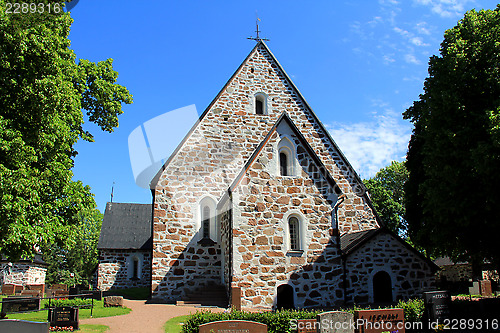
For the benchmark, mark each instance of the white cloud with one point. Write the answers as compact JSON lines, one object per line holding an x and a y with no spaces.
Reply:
{"x":422,"y":29}
{"x":418,"y":41}
{"x":445,"y":8}
{"x":372,"y":145}
{"x":388,"y":59}
{"x":411,"y":59}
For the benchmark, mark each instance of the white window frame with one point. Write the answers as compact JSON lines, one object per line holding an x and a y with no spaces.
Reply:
{"x":286,"y":146}
{"x":208,"y":201}
{"x":302,"y":229}
{"x":260,"y":96}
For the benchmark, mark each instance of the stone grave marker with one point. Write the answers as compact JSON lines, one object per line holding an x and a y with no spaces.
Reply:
{"x":16,"y":326}
{"x":233,"y":326}
{"x":307,"y":326}
{"x":381,"y":320}
{"x":474,"y":290}
{"x":30,"y":293}
{"x":9,"y":289}
{"x":39,"y":287}
{"x":19,"y":304}
{"x":113,"y":301}
{"x":64,"y":317}
{"x":485,"y":288}
{"x":336,"y":322}
{"x":437,"y":305}
{"x":59,"y":287}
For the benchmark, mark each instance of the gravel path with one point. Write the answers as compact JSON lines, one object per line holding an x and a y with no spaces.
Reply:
{"x":144,"y":317}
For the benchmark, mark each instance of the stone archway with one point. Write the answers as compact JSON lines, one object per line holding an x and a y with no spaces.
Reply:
{"x":284,"y":297}
{"x":382,"y":287}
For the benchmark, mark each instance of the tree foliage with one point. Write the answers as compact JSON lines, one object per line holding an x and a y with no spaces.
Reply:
{"x":452,"y":195}
{"x":73,"y":262}
{"x":387,"y":195}
{"x":43,"y":91}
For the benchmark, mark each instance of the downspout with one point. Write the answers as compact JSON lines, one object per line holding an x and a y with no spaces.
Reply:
{"x":337,"y":235}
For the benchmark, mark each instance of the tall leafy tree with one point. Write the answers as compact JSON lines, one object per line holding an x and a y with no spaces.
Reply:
{"x":387,"y":195}
{"x":73,"y":262}
{"x":452,"y":195}
{"x":43,"y":90}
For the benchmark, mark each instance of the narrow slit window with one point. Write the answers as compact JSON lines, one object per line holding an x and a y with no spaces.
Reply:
{"x":283,"y":164}
{"x":206,"y":222}
{"x":135,"y":269}
{"x":293,"y":227}
{"x":259,"y":107}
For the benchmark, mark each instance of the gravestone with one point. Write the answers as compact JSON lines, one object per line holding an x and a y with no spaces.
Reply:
{"x":437,"y":305}
{"x":336,"y":322}
{"x":18,"y":304}
{"x":113,"y":301}
{"x":485,"y":288}
{"x":381,"y":320}
{"x":233,"y":326}
{"x":64,"y":317}
{"x":16,"y":326}
{"x":39,"y":287}
{"x":59,"y":287}
{"x":30,"y":293}
{"x":9,"y":289}
{"x":474,"y":290}
{"x":307,"y":326}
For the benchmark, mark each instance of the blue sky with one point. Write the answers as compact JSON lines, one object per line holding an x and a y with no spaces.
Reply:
{"x":359,"y":64}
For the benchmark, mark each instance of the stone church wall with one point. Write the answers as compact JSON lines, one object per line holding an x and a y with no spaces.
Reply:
{"x":208,"y":162}
{"x":115,"y":269}
{"x":410,"y":275}
{"x":262,"y":257}
{"x":21,"y":273}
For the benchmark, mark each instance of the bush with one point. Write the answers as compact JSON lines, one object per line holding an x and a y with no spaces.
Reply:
{"x":277,"y":322}
{"x":413,"y":309}
{"x":68,"y":302}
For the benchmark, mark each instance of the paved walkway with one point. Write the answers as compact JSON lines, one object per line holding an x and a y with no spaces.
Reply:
{"x":144,"y":317}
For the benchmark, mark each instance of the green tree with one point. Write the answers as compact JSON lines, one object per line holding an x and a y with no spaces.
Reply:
{"x":387,"y":195}
{"x":452,"y":194}
{"x":43,"y":90}
{"x":73,"y":262}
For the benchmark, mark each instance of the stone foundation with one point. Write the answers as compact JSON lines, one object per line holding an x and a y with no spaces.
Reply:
{"x":115,"y":269}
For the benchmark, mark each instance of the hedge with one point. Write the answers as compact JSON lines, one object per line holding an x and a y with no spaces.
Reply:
{"x":68,"y":302}
{"x":279,"y":321}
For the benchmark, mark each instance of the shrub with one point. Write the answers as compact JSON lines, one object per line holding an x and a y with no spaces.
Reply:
{"x":68,"y":302}
{"x":413,"y":309}
{"x":277,"y":322}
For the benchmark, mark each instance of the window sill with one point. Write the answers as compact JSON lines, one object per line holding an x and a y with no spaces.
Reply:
{"x":295,"y":253}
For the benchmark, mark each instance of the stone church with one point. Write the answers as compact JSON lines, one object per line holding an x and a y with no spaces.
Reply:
{"x":259,"y":202}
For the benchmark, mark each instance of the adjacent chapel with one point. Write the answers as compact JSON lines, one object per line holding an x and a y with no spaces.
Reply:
{"x":259,"y":202}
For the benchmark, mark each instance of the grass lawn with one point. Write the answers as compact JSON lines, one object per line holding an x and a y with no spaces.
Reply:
{"x":87,"y":328}
{"x":174,"y":325}
{"x":99,"y":311}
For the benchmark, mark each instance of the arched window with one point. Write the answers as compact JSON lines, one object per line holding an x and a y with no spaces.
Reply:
{"x":283,"y":163}
{"x":286,"y":157}
{"x":207,"y":220}
{"x":260,"y":103}
{"x":294,"y":233}
{"x":135,"y":268}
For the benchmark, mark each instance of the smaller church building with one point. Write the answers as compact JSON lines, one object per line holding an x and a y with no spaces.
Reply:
{"x":259,"y":201}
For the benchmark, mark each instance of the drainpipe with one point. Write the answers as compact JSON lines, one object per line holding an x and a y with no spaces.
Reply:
{"x":344,"y":266}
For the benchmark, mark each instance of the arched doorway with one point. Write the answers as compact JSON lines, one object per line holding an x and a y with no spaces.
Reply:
{"x":382,"y":287}
{"x":284,"y":297}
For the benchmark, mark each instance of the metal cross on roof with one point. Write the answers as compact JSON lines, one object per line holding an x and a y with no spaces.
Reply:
{"x":257,"y":39}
